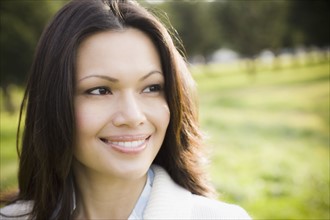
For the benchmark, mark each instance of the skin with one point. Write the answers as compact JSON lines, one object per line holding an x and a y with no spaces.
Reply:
{"x":119,"y":102}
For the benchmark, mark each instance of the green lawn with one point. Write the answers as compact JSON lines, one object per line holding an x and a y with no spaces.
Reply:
{"x":8,"y":153}
{"x":268,"y":137}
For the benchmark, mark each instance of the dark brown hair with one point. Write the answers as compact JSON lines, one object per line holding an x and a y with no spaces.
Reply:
{"x":45,"y":175}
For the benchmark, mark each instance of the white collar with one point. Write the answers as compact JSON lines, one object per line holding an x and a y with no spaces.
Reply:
{"x":167,"y":200}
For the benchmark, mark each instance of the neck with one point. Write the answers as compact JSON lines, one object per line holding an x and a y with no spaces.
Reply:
{"x":104,"y":197}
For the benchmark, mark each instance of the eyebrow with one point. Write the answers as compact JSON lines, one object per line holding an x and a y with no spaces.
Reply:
{"x":111,"y":79}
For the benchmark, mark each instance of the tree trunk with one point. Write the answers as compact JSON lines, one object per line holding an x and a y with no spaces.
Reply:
{"x":7,"y":99}
{"x":251,"y":68}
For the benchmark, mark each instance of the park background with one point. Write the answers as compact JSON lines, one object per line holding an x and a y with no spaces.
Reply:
{"x":262,"y":71}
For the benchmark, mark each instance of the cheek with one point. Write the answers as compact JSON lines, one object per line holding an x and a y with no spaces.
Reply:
{"x":88,"y":119}
{"x":167,"y":115}
{"x":162,"y":116}
{"x":84,"y":117}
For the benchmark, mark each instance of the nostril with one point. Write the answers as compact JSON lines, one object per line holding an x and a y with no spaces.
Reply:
{"x":129,"y":116}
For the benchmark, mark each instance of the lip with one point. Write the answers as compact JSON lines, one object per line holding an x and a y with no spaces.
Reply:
{"x":127,"y":144}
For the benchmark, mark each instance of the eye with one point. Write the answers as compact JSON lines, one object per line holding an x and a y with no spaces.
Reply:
{"x":153,"y":88}
{"x":99,"y":91}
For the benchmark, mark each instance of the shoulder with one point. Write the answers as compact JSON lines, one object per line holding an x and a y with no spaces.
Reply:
{"x":206,"y":208}
{"x":19,"y":210}
{"x":168,"y":200}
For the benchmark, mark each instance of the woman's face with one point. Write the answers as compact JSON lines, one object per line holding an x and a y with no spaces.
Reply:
{"x":120,"y":106}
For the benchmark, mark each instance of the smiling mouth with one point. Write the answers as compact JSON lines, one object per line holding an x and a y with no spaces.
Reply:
{"x":127,"y":144}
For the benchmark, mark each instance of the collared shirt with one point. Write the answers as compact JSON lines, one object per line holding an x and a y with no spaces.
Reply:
{"x":144,"y":197}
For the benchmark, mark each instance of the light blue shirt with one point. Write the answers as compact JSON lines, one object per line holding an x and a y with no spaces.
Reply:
{"x":144,"y":197}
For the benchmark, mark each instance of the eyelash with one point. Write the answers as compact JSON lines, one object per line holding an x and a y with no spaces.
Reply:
{"x":107,"y":91}
{"x":154,"y":88}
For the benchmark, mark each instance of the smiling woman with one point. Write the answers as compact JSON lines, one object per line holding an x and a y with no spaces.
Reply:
{"x":121,"y":113}
{"x":111,"y":128}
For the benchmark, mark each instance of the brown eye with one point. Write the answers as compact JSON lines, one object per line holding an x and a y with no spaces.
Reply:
{"x":153,"y":88}
{"x":99,"y":91}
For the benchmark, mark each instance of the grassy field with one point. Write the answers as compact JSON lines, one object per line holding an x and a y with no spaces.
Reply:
{"x":268,"y":136}
{"x":8,"y":153}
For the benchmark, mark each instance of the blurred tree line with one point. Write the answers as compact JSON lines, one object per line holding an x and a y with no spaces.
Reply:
{"x":246,"y":26}
{"x":249,"y":26}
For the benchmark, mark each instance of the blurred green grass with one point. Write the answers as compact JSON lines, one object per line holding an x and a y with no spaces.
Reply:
{"x":8,"y":153}
{"x":268,"y":136}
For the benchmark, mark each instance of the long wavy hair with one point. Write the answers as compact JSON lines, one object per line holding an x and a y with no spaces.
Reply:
{"x":45,"y":174}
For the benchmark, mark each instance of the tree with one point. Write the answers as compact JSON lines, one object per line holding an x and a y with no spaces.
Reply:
{"x":195,"y":25}
{"x":309,"y":21}
{"x":251,"y":26}
{"x":21,"y":24}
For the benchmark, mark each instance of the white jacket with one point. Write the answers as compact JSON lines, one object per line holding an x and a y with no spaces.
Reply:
{"x":167,"y":200}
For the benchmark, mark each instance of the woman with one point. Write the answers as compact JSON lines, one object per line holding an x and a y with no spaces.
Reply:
{"x":111,"y":128}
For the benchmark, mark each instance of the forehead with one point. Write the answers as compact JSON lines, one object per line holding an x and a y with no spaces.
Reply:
{"x":117,"y":51}
{"x":118,"y":43}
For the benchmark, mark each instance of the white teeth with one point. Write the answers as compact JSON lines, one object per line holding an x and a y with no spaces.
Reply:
{"x":127,"y":144}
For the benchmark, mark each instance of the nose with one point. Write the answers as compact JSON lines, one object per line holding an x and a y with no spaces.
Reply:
{"x":129,"y":111}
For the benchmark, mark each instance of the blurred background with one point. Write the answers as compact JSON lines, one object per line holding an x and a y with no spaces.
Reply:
{"x":262,"y":70}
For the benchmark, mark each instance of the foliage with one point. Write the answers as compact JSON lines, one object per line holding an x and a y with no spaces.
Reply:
{"x":249,"y":26}
{"x":252,"y":26}
{"x":21,"y":25}
{"x":309,"y":21}
{"x":195,"y":25}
